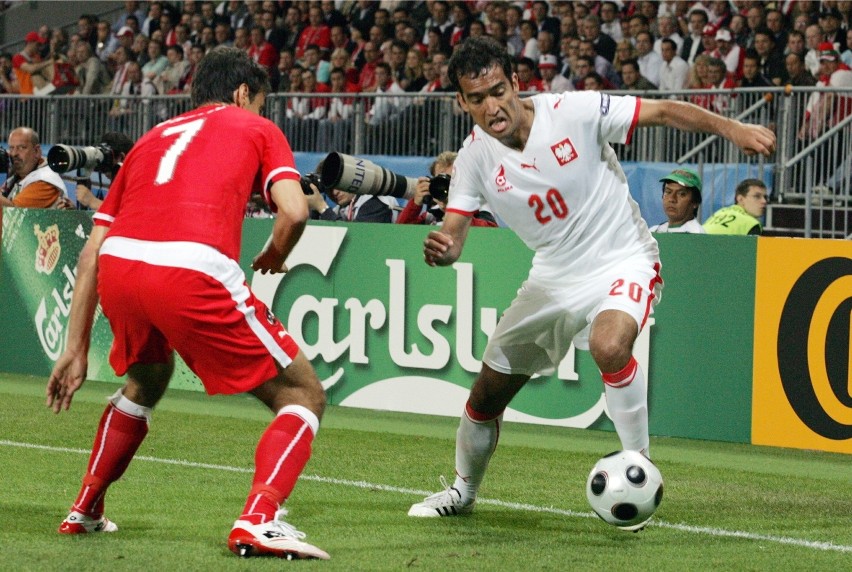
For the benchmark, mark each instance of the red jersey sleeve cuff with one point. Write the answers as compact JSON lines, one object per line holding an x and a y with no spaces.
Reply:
{"x":461,"y":212}
{"x":635,"y":121}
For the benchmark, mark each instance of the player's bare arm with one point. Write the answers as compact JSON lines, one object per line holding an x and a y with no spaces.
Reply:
{"x":69,"y":372}
{"x":443,"y":247}
{"x":752,"y":139}
{"x":289,"y":224}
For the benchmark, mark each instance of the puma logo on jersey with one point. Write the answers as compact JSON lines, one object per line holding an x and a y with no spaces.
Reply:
{"x":502,"y":184}
{"x":564,"y":152}
{"x":528,"y":166}
{"x":558,"y":101}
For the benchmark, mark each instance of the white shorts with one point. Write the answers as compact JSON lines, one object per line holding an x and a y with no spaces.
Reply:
{"x":537,"y":329}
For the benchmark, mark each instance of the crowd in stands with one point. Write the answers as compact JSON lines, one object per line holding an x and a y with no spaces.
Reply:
{"x":637,"y":45}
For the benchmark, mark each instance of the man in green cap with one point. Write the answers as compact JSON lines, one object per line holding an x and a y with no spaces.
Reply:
{"x":681,"y":199}
{"x":741,"y":217}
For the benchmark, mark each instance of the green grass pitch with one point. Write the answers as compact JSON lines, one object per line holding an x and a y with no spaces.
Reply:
{"x":726,"y":506}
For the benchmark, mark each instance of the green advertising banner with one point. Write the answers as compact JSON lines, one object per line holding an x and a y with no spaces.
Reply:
{"x":385,"y":331}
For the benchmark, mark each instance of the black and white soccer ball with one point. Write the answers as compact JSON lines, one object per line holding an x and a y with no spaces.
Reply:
{"x":624,"y":489}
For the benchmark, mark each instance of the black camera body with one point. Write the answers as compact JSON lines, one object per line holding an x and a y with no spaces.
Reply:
{"x":64,"y":158}
{"x":311,"y":178}
{"x":439,"y":189}
{"x":5,"y":162}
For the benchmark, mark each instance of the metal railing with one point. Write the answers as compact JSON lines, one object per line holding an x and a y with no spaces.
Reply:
{"x":811,"y":178}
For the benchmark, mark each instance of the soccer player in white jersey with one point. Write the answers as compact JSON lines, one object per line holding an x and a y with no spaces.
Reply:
{"x":545,"y":166}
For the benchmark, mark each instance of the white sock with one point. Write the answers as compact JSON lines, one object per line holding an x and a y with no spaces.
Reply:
{"x":475,"y":443}
{"x":627,"y":401}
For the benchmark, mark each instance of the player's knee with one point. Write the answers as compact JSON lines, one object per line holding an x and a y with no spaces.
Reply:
{"x":610,"y":354}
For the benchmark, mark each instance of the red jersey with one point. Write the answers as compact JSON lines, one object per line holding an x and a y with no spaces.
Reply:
{"x":189,"y":178}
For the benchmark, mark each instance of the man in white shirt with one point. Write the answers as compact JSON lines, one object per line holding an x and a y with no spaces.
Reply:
{"x":650,"y":61}
{"x":668,"y":31}
{"x":553,"y":81}
{"x":674,"y":71}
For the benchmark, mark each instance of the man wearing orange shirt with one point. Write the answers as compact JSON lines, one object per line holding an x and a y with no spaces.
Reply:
{"x":31,"y":183}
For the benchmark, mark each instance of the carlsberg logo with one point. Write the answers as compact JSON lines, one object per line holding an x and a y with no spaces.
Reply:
{"x":419,"y":385}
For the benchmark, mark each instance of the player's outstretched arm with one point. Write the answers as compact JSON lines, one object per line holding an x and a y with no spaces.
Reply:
{"x":752,"y":139}
{"x":69,"y":372}
{"x":443,"y":247}
{"x":289,"y":224}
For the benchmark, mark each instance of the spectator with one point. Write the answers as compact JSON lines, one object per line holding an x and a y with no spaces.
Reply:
{"x":106,"y":42}
{"x":674,"y":72}
{"x":650,"y":61}
{"x":632,"y":79}
{"x":699,"y":79}
{"x":120,"y":58}
{"x":384,"y":106}
{"x":720,"y":80}
{"x":830,"y":20}
{"x":317,"y":106}
{"x":637,"y":23}
{"x":32,"y":72}
{"x":435,"y":43}
{"x":813,"y":39}
{"x":367,"y":76}
{"x":86,"y":29}
{"x":131,"y":8}
{"x":195,"y":55}
{"x":168,"y":80}
{"x":514,"y":43}
{"x":334,"y":130}
{"x":755,"y":20}
{"x":544,"y":21}
{"x":120,"y":144}
{"x":681,"y":200}
{"x":610,"y":23}
{"x":846,"y":55}
{"x":262,"y":51}
{"x":140,"y":49}
{"x":551,"y":79}
{"x":795,"y":43}
{"x":221,"y":34}
{"x":530,"y":43}
{"x":460,"y":29}
{"x":439,"y":17}
{"x":293,"y":26}
{"x":316,"y":32}
{"x":91,"y":72}
{"x":331,"y":15}
{"x":668,"y":31}
{"x":771,"y":61}
{"x":340,"y":59}
{"x":241,"y":40}
{"x":271,"y":32}
{"x":797,"y":74}
{"x":341,"y":39}
{"x":546,"y":44}
{"x":286,"y":61}
{"x":313,"y":61}
{"x":156,"y":63}
{"x":8,"y":79}
{"x":602,"y":65}
{"x":594,"y":82}
{"x":31,"y":183}
{"x":125,"y":108}
{"x":395,"y":56}
{"x":741,"y":217}
{"x":751,"y":73}
{"x":775,"y":24}
{"x":527,"y":80}
{"x":167,"y":29}
{"x":692,"y":44}
{"x":624,"y":50}
{"x":413,"y":79}
{"x":152,"y":21}
{"x":730,"y":52}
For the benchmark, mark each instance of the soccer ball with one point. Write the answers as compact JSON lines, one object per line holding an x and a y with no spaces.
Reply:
{"x":624,"y":489}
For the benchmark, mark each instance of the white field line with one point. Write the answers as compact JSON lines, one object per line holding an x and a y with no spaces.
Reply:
{"x":702,"y":530}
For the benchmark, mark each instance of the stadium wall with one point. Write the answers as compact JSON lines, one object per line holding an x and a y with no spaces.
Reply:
{"x":750,"y":342}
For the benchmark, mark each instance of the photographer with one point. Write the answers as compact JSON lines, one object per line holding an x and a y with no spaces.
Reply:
{"x":348,"y":206}
{"x":432,"y":192}
{"x":120,"y":144}
{"x":31,"y":183}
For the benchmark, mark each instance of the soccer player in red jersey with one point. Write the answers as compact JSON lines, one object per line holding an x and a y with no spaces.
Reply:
{"x":162,"y":258}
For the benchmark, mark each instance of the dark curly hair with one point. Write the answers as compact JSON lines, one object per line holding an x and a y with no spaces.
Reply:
{"x":474,"y":56}
{"x":221,"y":71}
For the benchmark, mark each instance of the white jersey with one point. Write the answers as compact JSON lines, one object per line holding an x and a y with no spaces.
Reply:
{"x":691,"y":226}
{"x":565,"y":195}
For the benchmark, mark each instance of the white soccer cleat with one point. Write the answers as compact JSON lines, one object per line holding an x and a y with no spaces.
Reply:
{"x":79,"y":523}
{"x":445,"y":503}
{"x":273,"y":538}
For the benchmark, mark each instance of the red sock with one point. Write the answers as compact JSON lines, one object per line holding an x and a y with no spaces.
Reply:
{"x":282,"y":453}
{"x":119,"y":436}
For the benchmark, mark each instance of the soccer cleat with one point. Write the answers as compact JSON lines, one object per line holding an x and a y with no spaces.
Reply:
{"x":79,"y":523}
{"x":273,"y":538}
{"x":445,"y":503}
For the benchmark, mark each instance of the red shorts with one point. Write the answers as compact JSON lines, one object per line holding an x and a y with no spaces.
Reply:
{"x":160,"y":296}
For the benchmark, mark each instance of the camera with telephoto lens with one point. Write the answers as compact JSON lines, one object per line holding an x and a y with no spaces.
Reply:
{"x":311,"y":178}
{"x":363,"y":177}
{"x":4,"y":161}
{"x":439,"y":189}
{"x":64,"y":158}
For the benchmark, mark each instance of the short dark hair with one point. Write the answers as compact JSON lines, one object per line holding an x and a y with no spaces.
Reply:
{"x":475,"y":56}
{"x":631,"y":62}
{"x":221,"y":71}
{"x":745,"y":185}
{"x":118,"y":142}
